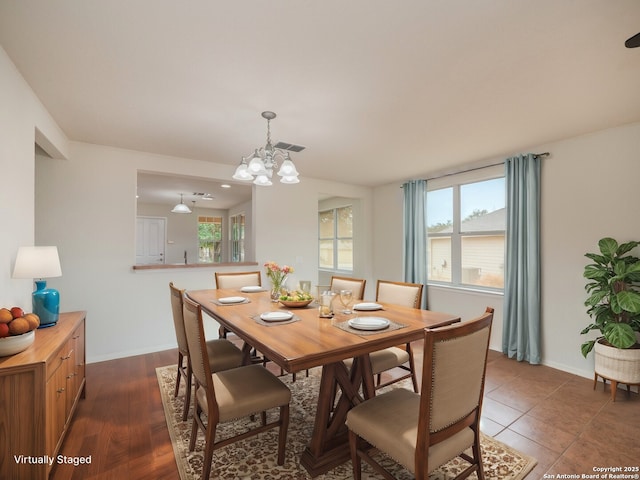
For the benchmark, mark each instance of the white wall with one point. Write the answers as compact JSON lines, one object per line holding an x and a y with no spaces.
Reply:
{"x":23,"y":121}
{"x":91,"y":218}
{"x":589,"y":191}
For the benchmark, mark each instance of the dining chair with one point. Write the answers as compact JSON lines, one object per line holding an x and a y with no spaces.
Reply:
{"x":408,"y":295}
{"x":423,"y":431}
{"x":230,"y":395}
{"x":223,"y":353}
{"x":236,"y":280}
{"x":356,"y":285}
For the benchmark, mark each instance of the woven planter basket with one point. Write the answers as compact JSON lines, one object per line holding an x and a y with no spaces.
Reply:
{"x":622,"y":365}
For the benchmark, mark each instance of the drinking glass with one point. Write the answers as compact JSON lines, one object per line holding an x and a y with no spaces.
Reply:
{"x":345,"y":300}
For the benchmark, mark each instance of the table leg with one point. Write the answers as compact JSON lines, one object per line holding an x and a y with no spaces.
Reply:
{"x":328,"y":446}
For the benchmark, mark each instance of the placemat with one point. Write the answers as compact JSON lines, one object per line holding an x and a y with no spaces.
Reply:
{"x":246,"y":300}
{"x":259,"y":321}
{"x":345,"y":326}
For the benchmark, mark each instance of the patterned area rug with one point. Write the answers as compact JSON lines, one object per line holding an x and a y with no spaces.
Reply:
{"x":255,"y":458}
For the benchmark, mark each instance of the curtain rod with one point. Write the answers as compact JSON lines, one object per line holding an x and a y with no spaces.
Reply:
{"x":535,"y":155}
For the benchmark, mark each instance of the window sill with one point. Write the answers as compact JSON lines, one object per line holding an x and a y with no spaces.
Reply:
{"x":466,"y":289}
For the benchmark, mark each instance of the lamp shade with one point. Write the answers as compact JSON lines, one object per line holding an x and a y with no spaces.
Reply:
{"x":39,"y":263}
{"x":181,"y":207}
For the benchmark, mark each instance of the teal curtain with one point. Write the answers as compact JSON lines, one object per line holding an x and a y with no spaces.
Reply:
{"x":415,"y":234}
{"x":521,"y":323}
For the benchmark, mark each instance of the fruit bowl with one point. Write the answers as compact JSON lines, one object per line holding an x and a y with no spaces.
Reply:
{"x":295,"y":303}
{"x":16,"y":343}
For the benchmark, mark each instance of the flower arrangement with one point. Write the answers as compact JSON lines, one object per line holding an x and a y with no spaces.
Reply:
{"x":277,"y":275}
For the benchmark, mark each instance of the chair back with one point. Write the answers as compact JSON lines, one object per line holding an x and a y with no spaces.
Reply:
{"x":178,"y":320}
{"x":455,"y":359}
{"x":399,"y":293}
{"x":237,"y":279}
{"x":356,"y":285}
{"x":198,"y":353}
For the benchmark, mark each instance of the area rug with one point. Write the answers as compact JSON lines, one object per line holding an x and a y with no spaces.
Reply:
{"x":255,"y":458}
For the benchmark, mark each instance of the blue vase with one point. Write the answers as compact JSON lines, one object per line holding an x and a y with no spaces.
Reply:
{"x":46,"y":304}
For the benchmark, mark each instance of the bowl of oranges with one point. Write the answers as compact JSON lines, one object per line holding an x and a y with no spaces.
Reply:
{"x":17,"y":330}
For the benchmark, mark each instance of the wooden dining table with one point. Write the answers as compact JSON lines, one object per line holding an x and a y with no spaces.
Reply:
{"x":308,"y":341}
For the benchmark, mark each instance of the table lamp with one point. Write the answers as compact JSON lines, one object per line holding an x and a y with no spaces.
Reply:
{"x":39,"y":263}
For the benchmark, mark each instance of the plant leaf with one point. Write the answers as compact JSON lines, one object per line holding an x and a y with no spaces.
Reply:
{"x":626,"y":247}
{"x":595,"y":272}
{"x":620,"y":335}
{"x":599,"y":259}
{"x":586,"y":347}
{"x":608,"y":247}
{"x":629,"y":301}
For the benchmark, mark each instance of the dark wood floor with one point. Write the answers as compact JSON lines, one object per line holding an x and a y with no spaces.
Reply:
{"x":554,"y":416}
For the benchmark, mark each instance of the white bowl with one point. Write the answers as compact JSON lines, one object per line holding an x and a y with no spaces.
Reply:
{"x":16,"y":343}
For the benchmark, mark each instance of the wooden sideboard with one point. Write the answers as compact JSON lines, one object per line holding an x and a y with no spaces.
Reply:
{"x":39,"y":391}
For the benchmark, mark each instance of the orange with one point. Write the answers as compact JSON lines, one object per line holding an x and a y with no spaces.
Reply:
{"x":18,"y":326}
{"x":33,"y":320}
{"x":5,"y":315}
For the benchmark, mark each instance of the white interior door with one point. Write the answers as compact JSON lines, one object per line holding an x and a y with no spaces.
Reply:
{"x":150,"y":240}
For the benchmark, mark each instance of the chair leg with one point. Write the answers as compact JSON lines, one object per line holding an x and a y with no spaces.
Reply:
{"x":282,"y":434}
{"x":187,"y":393}
{"x":178,"y":375}
{"x":412,"y":366}
{"x":210,"y":438}
{"x":477,"y":454}
{"x":355,"y":459}
{"x":194,"y":426}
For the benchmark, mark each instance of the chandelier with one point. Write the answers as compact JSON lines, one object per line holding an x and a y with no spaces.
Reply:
{"x":259,"y":166}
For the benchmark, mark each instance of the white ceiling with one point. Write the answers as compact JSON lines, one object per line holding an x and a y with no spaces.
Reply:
{"x":377,"y":90}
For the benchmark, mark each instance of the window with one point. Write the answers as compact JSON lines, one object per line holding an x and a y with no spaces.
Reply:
{"x":466,"y":225}
{"x":237,"y":237}
{"x":335,"y":227}
{"x":210,"y":239}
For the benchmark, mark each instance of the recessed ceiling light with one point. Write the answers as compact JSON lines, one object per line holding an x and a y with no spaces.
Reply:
{"x":224,"y":185}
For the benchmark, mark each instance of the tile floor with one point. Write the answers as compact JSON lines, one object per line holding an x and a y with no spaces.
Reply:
{"x":560,"y":420}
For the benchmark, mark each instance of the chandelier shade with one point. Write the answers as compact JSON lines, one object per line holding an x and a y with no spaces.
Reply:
{"x":181,"y":207}
{"x":260,"y":165}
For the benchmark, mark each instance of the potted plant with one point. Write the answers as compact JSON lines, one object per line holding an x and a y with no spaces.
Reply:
{"x":614,"y":306}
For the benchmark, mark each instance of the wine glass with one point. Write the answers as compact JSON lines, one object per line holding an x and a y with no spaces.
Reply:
{"x":345,"y":300}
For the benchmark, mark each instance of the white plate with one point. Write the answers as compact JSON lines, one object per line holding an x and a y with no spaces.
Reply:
{"x":369,"y":323}
{"x":367,"y":306}
{"x":231,"y":299}
{"x":276,"y":316}
{"x":252,"y":288}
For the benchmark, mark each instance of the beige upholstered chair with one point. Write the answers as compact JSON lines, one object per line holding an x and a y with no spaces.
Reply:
{"x":223,"y":353}
{"x":231,"y":394}
{"x":356,"y":285}
{"x":236,"y":280}
{"x":424,"y":431}
{"x":399,"y":293}
{"x":408,"y":295}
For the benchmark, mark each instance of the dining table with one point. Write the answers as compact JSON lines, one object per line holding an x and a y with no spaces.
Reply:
{"x":299,"y":339}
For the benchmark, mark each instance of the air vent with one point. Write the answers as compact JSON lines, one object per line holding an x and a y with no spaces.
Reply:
{"x":289,"y":146}
{"x":203,"y":196}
